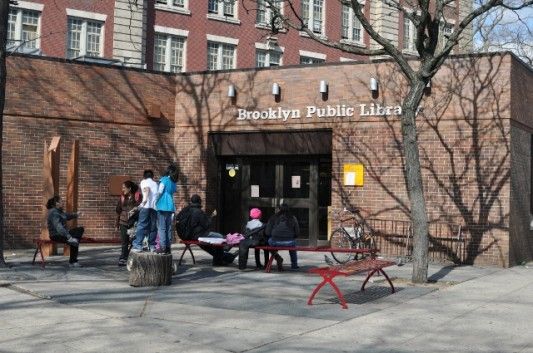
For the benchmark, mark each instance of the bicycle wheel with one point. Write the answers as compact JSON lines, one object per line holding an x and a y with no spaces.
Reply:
{"x":341,"y":240}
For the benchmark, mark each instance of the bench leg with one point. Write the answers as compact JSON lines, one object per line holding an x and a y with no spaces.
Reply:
{"x":327,"y":277}
{"x":268,"y":265}
{"x":38,"y":249}
{"x":35,"y":254}
{"x":187,"y":247}
{"x":378,"y":270}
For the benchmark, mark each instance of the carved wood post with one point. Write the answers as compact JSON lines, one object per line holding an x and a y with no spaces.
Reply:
{"x":72,"y":188}
{"x":51,"y":159}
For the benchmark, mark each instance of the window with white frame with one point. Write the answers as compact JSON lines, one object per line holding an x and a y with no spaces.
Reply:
{"x":351,"y":26}
{"x":446,"y":30}
{"x":408,"y":34}
{"x":220,"y":56}
{"x":23,"y":29}
{"x":311,"y":60}
{"x":313,"y":15}
{"x":223,"y":8}
{"x":168,"y":52}
{"x":267,"y":58}
{"x":84,"y":38}
{"x":181,"y":6}
{"x":265,"y":12}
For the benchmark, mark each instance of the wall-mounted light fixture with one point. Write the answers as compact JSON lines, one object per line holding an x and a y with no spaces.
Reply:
{"x":323,"y":87}
{"x":373,"y":84}
{"x":231,"y":91}
{"x":275,"y":89}
{"x":428,"y":84}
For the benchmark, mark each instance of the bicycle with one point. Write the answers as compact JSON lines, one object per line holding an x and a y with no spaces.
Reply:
{"x":350,"y":234}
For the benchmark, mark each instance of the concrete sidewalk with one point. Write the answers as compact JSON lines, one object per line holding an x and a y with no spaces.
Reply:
{"x":222,"y":309}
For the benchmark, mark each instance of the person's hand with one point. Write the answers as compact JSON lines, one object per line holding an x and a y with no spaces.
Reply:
{"x":214,"y":213}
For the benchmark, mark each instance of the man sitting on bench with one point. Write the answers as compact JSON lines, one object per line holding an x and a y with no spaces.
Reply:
{"x":57,"y":228}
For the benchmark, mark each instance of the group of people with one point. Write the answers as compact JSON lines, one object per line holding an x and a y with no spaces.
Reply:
{"x":151,"y":208}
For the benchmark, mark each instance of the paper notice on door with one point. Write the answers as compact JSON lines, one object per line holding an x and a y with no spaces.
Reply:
{"x":349,"y":178}
{"x":296,"y":181}
{"x":254,"y":191}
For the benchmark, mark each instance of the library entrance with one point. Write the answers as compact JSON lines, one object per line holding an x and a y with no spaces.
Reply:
{"x":302,"y":181}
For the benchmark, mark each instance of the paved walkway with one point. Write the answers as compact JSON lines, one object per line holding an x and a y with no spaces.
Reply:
{"x":206,"y":309}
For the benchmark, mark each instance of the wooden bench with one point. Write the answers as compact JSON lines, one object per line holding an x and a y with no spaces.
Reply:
{"x":273,"y":249}
{"x":372,"y":265}
{"x":84,"y":240}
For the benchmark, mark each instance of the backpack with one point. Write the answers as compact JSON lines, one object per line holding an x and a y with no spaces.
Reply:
{"x":183,"y":224}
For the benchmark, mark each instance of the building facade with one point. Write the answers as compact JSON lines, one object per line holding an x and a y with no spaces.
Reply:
{"x":239,"y":146}
{"x":186,"y":35}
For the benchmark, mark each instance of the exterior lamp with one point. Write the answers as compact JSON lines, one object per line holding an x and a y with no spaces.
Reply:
{"x":323,"y":87}
{"x":231,"y":91}
{"x":373,"y":84}
{"x":275,"y":89}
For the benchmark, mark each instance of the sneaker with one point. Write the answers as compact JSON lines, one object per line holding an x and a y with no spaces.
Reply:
{"x":160,"y":251}
{"x":75,"y":265}
{"x":73,"y":242}
{"x":135,"y":250}
{"x":122,"y":262}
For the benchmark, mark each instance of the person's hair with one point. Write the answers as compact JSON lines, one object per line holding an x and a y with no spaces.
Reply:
{"x":131,"y":185}
{"x":172,"y":172}
{"x":51,"y":203}
{"x":196,"y":199}
{"x":284,"y":213}
{"x":148,"y":173}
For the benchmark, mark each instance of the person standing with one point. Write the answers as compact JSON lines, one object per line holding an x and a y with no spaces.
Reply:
{"x":57,"y":228}
{"x":283,"y":229}
{"x":147,"y":224}
{"x":127,"y":204}
{"x":166,"y":208}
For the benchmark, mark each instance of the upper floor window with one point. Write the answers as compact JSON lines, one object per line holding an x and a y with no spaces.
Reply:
{"x":311,"y":60}
{"x":220,"y":56}
{"x":265,"y":13}
{"x":267,"y":58}
{"x":313,"y":15}
{"x":168,"y":53}
{"x":446,"y":30}
{"x":23,"y":30}
{"x":408,"y":35}
{"x":351,"y":26}
{"x":84,"y":38}
{"x":173,"y":3}
{"x":225,"y":8}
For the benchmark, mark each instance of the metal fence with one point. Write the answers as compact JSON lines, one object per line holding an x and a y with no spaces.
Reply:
{"x":394,"y":238}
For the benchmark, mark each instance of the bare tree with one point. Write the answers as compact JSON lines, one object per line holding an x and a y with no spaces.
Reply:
{"x":431,"y":44}
{"x":502,"y":29}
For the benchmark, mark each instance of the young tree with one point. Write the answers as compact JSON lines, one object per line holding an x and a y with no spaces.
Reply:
{"x":438,"y":28}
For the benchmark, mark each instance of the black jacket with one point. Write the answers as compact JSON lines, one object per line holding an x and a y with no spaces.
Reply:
{"x":200,"y":221}
{"x":282,"y":227}
{"x":57,"y":222}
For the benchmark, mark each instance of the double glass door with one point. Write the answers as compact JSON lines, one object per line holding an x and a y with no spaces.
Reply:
{"x":304,"y":184}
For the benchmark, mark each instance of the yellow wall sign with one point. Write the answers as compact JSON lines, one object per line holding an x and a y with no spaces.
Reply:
{"x":353,"y":174}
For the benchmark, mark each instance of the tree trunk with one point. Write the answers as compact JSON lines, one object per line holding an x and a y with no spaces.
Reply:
{"x":150,"y":269}
{"x":4,"y":11}
{"x":415,"y":188}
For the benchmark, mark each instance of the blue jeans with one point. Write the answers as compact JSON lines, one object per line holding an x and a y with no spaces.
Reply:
{"x":146,"y":226}
{"x":164,"y":228}
{"x":292,"y":253}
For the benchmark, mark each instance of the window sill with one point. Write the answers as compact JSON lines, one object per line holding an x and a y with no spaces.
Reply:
{"x":173,"y":9}
{"x":409,"y":52}
{"x":353,"y":43}
{"x":231,"y":20}
{"x":268,"y":28}
{"x":321,"y":36}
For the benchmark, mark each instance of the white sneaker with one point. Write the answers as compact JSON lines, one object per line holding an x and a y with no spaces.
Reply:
{"x":75,"y":265}
{"x":135,"y":250}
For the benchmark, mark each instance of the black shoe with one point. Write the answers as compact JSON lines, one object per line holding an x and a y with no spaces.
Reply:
{"x":122,"y":262}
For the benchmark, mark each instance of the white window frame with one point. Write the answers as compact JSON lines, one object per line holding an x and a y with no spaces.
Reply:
{"x":268,"y":50}
{"x":168,"y":5}
{"x":220,"y":16}
{"x":444,"y":25}
{"x":352,"y":19}
{"x":411,"y":47}
{"x":170,"y":33}
{"x":20,"y":8}
{"x":220,"y":41}
{"x":310,"y":24}
{"x":86,"y":17}
{"x":268,"y":15}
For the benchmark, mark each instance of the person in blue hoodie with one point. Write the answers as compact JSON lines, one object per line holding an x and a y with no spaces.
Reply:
{"x":165,"y":208}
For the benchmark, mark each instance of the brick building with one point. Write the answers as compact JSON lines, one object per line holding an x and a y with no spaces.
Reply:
{"x":186,"y":35}
{"x":240,"y":146}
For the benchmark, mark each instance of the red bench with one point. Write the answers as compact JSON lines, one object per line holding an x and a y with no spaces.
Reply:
{"x":371,"y":265}
{"x":84,"y":240}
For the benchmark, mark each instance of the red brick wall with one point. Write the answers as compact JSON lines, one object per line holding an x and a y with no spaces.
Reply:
{"x":464,"y":133}
{"x":102,"y":107}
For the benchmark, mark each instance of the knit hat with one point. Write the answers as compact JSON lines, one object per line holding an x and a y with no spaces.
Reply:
{"x":255,"y":213}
